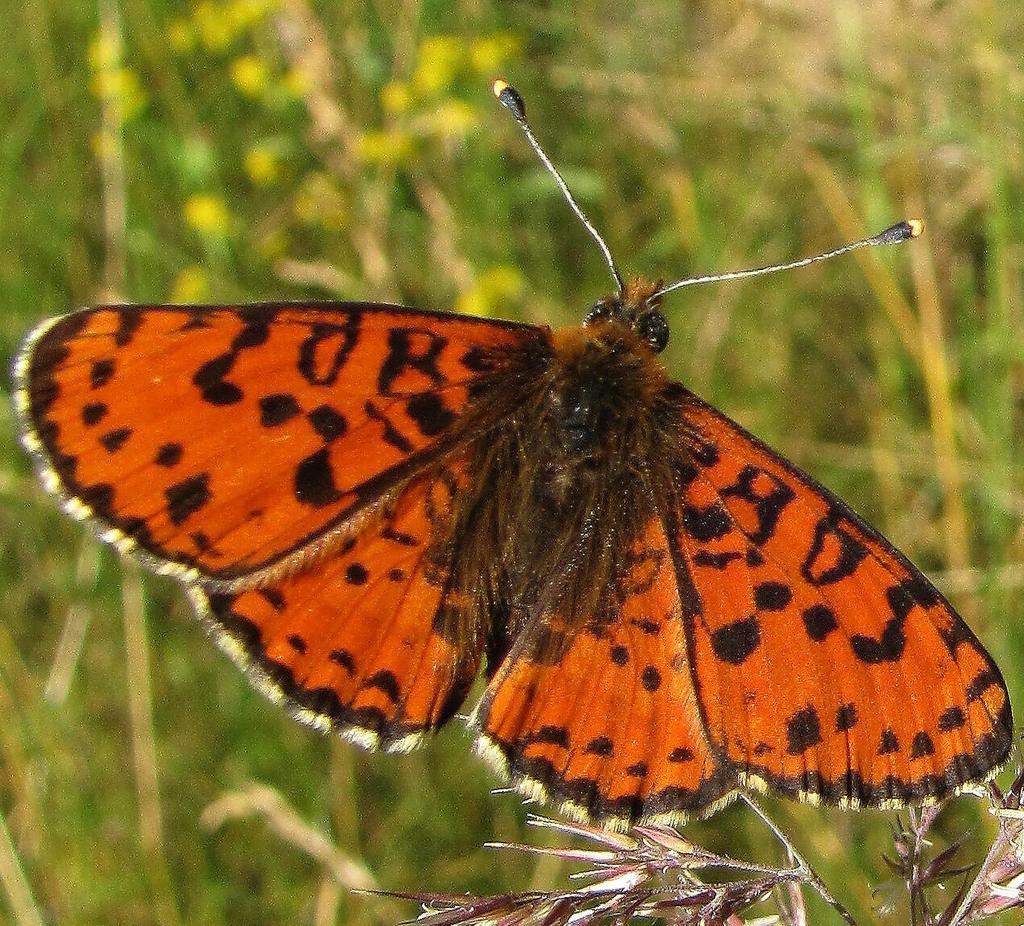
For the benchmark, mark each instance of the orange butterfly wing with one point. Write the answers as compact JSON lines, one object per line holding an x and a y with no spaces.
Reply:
{"x":826,"y":666}
{"x":603,"y":719}
{"x":370,"y":642}
{"x":218,"y":441}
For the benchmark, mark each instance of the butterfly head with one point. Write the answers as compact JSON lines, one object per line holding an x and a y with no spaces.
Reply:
{"x":638,"y":308}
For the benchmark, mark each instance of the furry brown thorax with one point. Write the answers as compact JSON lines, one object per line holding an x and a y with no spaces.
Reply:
{"x":568,"y":476}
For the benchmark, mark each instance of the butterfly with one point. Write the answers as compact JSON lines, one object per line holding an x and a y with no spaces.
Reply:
{"x":371,"y":505}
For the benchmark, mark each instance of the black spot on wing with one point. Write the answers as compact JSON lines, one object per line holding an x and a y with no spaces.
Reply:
{"x":187,"y":497}
{"x":601,"y":746}
{"x":981,"y":683}
{"x":429,"y":413}
{"x":209,"y":378}
{"x":715,"y":560}
{"x":846,"y":718}
{"x":129,"y":319}
{"x":835,"y":553}
{"x":273,"y":597}
{"x":387,"y":682}
{"x":99,"y":497}
{"x":101,"y":373}
{"x":702,"y":451}
{"x":168,"y":455}
{"x":921,"y":745}
{"x":888,"y":744}
{"x":650,"y":678}
{"x":478,"y":360}
{"x":410,"y":349}
{"x":328,"y":422}
{"x":278,"y":408}
{"x":356,"y":574}
{"x":136,"y":528}
{"x":197,"y":321}
{"x":114,"y":440}
{"x":551,"y":735}
{"x":900,"y":601}
{"x":326,"y":350}
{"x":343,"y":658}
{"x":399,"y":537}
{"x":733,"y":643}
{"x":819,"y":622}
{"x":706,"y":524}
{"x":803,"y":730}
{"x":93,"y":413}
{"x":886,"y":648}
{"x":952,"y":718}
{"x":772,"y":596}
{"x":314,"y":480}
{"x":766,"y":494}
{"x":253,"y":334}
{"x":391,"y":434}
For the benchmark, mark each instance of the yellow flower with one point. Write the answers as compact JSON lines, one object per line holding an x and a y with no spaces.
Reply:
{"x":296,"y":82}
{"x":207,"y":214}
{"x":489,"y":53}
{"x":214,"y":26}
{"x":120,"y":86}
{"x":249,"y":75}
{"x":320,"y":202}
{"x":104,"y":51}
{"x":384,"y":147}
{"x":262,"y":164}
{"x":191,"y":285}
{"x":438,"y":61}
{"x":453,"y":119}
{"x":395,"y":97}
{"x":492,"y":287}
{"x":305,"y":205}
{"x":244,"y":14}
{"x":181,"y":36}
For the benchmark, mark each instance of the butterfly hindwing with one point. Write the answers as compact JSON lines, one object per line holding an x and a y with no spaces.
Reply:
{"x":218,"y":441}
{"x":370,"y":640}
{"x":602,"y":718}
{"x":826,"y":665}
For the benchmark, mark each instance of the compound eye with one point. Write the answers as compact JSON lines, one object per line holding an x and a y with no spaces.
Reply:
{"x":652,"y":327}
{"x":600,"y":312}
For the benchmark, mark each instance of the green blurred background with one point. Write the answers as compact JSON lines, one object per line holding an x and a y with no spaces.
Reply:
{"x":230,"y":150}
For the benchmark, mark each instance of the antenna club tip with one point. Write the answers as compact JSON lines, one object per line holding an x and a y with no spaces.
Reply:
{"x":901,"y":231}
{"x":509,"y":97}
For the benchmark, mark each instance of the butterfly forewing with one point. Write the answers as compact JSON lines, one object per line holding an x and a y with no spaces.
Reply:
{"x":825,"y":664}
{"x":223,"y":441}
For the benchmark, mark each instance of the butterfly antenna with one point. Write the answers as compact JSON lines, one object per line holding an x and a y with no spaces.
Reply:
{"x":509,"y":97}
{"x":894,"y":234}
